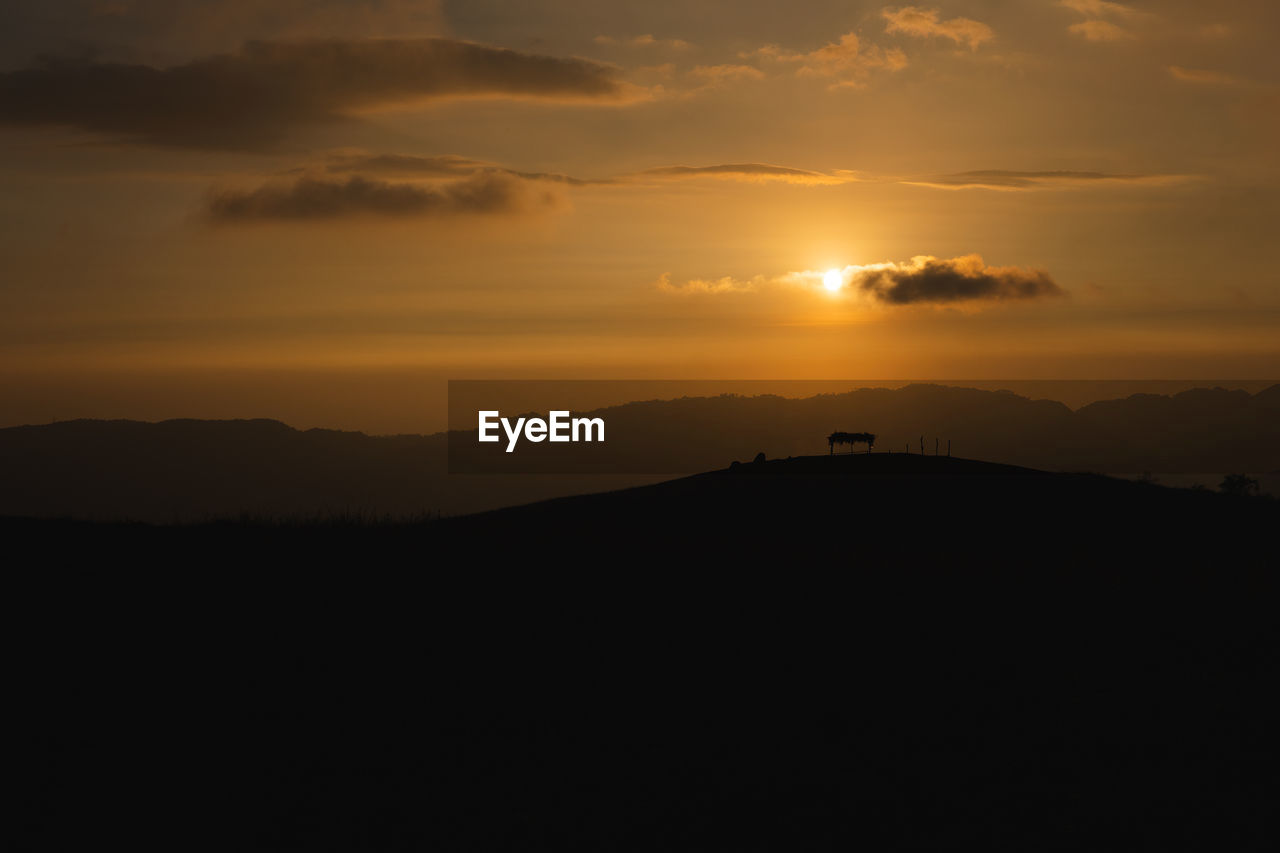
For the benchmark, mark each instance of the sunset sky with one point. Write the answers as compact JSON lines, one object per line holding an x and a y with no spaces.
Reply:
{"x":324,"y":209}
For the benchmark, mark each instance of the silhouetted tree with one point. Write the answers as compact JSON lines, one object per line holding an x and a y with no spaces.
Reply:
{"x":1238,"y":484}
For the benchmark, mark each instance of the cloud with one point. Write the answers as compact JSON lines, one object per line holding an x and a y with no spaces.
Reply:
{"x":1001,"y":179}
{"x":447,"y":165}
{"x":645,"y":40}
{"x":425,"y":168}
{"x":936,"y":281}
{"x":924,"y":280}
{"x":420,"y":168}
{"x":1205,"y":77}
{"x":312,"y":199}
{"x":725,"y":284}
{"x":1101,"y":8}
{"x":405,"y":164}
{"x":914,"y":21}
{"x":143,"y":30}
{"x":705,"y":78}
{"x":751,"y":172}
{"x":847,"y":60}
{"x":719,"y":75}
{"x":252,"y":99}
{"x":1099,"y":31}
{"x":989,"y":179}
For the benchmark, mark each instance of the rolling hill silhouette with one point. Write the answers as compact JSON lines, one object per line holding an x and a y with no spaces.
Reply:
{"x":899,"y":509}
{"x":892,"y":509}
{"x":188,"y":469}
{"x":817,"y":653}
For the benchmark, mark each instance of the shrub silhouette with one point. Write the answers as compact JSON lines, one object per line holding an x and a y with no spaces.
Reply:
{"x":851,"y":438}
{"x":1238,"y":484}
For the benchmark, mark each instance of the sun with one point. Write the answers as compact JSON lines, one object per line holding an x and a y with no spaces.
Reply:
{"x":832,"y":280}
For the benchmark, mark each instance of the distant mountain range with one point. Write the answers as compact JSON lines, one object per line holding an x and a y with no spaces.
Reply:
{"x":1202,"y":430}
{"x":192,"y":469}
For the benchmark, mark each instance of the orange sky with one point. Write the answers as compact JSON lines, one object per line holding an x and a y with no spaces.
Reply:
{"x":197,"y":194}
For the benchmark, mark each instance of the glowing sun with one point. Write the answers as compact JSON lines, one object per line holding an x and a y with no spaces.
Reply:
{"x":832,"y":280}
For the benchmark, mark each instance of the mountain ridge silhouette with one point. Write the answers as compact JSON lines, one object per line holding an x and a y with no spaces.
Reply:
{"x":185,"y":469}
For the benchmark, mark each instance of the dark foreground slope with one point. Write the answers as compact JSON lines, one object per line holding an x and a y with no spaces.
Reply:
{"x":844,"y":512}
{"x":807,"y":654}
{"x":870,"y":511}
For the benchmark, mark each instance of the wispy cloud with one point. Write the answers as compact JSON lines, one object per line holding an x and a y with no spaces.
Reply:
{"x":1099,"y":31}
{"x":1217,"y":31}
{"x":750,"y":172}
{"x":1008,"y":180}
{"x":315,"y":199}
{"x":447,"y":165}
{"x":1097,"y":27}
{"x":722,"y":285}
{"x":714,"y":76}
{"x":645,"y":40}
{"x":1101,"y":8}
{"x":406,"y":164}
{"x":990,"y":179}
{"x":914,"y":21}
{"x":350,"y":183}
{"x":1204,"y":77}
{"x":846,"y":61}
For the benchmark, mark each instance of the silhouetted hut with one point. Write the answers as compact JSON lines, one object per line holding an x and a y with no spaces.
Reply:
{"x":851,"y":438}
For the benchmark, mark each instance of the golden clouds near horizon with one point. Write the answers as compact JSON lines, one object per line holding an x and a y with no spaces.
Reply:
{"x":923,"y":280}
{"x":724,"y":188}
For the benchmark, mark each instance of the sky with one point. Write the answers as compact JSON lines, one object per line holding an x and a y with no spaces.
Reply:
{"x":322,"y":210}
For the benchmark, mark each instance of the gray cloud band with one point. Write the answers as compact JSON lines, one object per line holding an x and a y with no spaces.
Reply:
{"x":252,"y":98}
{"x":939,"y":281}
{"x":310,"y":199}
